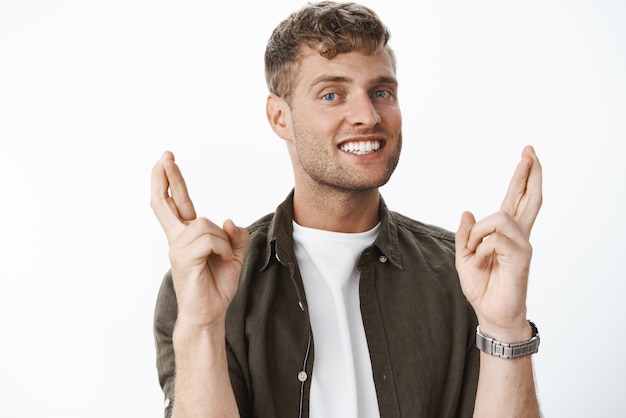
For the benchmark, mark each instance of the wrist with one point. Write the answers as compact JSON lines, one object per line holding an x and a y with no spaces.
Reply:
{"x":513,"y":332}
{"x":186,"y":332}
{"x":508,"y":350}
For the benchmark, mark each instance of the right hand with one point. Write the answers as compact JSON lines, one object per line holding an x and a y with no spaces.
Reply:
{"x":206,"y":260}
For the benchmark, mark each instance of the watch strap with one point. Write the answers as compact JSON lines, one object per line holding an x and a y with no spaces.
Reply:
{"x":505,"y":350}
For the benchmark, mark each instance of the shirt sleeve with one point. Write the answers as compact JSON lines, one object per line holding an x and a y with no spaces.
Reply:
{"x":165,"y":314}
{"x":470,"y":379}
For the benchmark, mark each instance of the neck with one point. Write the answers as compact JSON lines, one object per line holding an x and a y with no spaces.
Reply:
{"x":338,"y":211}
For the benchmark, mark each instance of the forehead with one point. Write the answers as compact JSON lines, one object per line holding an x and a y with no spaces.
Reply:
{"x":355,"y":66}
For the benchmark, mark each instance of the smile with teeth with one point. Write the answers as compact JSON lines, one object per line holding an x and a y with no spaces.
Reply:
{"x":361,"y":147}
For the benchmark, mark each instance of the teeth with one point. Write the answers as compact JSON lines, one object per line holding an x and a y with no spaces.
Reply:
{"x":363,"y":147}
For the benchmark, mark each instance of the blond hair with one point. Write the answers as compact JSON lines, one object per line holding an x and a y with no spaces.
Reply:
{"x":327,"y":27}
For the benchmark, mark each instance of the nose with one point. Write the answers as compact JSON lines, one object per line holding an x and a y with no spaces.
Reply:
{"x":362,"y":111}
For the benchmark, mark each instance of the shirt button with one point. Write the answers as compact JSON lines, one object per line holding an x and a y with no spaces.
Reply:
{"x":382,"y":259}
{"x":167,"y":402}
{"x":302,"y":376}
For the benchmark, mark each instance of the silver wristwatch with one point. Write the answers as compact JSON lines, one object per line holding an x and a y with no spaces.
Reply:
{"x":505,"y":350}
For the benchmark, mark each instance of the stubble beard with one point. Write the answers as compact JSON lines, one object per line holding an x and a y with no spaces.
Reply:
{"x":328,"y":176}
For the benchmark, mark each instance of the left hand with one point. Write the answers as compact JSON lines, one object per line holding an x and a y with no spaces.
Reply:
{"x":493,"y":255}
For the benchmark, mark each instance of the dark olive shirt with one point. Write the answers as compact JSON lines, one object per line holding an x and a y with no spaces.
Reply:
{"x":420,"y":329}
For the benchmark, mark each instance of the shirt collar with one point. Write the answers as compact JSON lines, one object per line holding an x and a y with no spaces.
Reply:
{"x":279,"y":246}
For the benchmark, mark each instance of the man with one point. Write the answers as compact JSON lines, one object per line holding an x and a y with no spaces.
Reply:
{"x":334,"y":306}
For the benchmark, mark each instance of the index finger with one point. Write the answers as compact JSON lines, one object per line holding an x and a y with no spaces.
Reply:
{"x":524,"y":196}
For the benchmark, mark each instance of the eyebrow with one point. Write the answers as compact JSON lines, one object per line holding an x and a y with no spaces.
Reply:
{"x":329,"y":79}
{"x":340,"y":79}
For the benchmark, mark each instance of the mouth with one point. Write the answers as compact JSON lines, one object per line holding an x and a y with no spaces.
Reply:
{"x":361,"y":147}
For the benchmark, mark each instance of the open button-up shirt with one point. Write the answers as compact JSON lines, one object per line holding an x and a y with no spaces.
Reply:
{"x":420,"y":329}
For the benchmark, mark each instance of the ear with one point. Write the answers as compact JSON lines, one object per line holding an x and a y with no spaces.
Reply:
{"x":279,"y":116}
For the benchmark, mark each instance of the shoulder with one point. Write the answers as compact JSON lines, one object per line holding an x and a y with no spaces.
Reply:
{"x":259,"y":244}
{"x":413,"y":235}
{"x":261,"y":226}
{"x":273,"y":225}
{"x":421,"y":229}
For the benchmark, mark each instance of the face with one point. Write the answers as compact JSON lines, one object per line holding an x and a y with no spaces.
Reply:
{"x":346,"y":126}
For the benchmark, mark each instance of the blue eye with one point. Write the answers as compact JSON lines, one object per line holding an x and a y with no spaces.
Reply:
{"x":329,"y":96}
{"x":381,"y":94}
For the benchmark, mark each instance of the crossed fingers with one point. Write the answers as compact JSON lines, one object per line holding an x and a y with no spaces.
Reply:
{"x":170,"y":199}
{"x":524,"y":196}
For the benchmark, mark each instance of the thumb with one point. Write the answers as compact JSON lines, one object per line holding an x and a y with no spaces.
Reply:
{"x":238,"y":238}
{"x":462,"y":235}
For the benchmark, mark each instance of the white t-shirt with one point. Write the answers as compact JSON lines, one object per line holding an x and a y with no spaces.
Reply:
{"x":342,"y":384}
